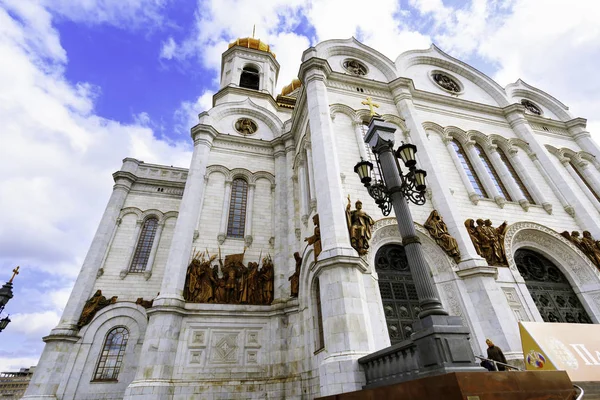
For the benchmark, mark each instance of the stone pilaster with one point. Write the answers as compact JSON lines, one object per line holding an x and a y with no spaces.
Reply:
{"x":529,"y":183}
{"x":577,"y":128}
{"x":509,"y":182}
{"x":157,"y":361}
{"x":586,"y":219}
{"x":281,"y":222}
{"x":50,"y":371}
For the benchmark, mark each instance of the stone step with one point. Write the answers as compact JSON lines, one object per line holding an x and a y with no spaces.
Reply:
{"x":592,"y":390}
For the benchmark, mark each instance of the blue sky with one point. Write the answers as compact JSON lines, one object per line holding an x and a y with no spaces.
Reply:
{"x":85,"y":83}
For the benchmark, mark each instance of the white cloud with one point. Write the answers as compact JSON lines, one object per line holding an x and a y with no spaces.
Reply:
{"x":187,"y":113}
{"x":34,"y":324}
{"x":60,"y":154}
{"x":14,"y":364}
{"x":168,"y":49}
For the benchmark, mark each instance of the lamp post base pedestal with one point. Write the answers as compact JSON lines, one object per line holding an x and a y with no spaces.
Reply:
{"x":442,"y":346}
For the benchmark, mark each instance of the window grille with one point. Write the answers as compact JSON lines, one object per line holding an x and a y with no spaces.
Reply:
{"x":111,"y":358}
{"x":586,"y":183}
{"x":237,"y":208}
{"x":144,"y":245}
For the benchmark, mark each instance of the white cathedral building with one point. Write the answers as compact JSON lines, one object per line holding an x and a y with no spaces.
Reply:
{"x":150,"y":317}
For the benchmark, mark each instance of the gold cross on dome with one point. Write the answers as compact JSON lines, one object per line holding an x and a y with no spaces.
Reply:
{"x":370,"y":103}
{"x":15,"y":272}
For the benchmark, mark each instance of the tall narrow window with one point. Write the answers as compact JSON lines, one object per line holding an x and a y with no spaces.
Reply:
{"x":237,"y":208}
{"x":144,"y":245}
{"x":250,"y":78}
{"x":492,"y":172}
{"x":466,"y":164}
{"x":320,"y":334}
{"x":516,"y":177}
{"x":584,"y":181}
{"x":111,"y":358}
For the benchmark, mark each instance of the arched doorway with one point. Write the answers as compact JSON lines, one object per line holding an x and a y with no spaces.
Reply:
{"x":398,"y":292}
{"x":550,"y":289}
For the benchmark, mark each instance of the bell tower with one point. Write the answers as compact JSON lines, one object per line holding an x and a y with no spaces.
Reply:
{"x":250,"y":64}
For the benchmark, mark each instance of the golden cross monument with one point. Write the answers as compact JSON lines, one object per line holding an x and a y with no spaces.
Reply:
{"x":15,"y":272}
{"x":370,"y":103}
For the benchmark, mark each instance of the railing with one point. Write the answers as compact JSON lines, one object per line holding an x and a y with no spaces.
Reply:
{"x":496,"y":363}
{"x":395,"y":364}
{"x":581,"y":391}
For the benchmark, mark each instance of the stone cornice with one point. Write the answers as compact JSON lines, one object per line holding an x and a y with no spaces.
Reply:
{"x":207,"y":130}
{"x":240,"y":91}
{"x":576,"y":122}
{"x":316,"y":65}
{"x":124,"y":175}
{"x":256,"y":53}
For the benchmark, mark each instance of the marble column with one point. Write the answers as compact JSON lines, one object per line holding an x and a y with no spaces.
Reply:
{"x":281,"y":222}
{"x":304,"y":207}
{"x":224,"y":212}
{"x":484,"y":175}
{"x":582,"y":214}
{"x":311,"y":177}
{"x":249,"y":214}
{"x":579,"y":180}
{"x":563,"y":201}
{"x":509,"y":181}
{"x":157,"y":361}
{"x":529,"y":183}
{"x":358,"y":134}
{"x":50,"y":372}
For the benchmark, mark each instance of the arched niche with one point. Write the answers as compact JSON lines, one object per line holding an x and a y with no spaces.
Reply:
{"x":582,"y":275}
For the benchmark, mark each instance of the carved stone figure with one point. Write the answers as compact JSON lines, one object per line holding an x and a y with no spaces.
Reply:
{"x":315,"y":239}
{"x":446,"y":82}
{"x":266,"y":277}
{"x":587,"y":244}
{"x":245,"y":126}
{"x":488,"y":241}
{"x":359,"y":227}
{"x":532,"y":108}
{"x":438,"y":230}
{"x":295,"y":278}
{"x":144,"y":303}
{"x":254,"y":295}
{"x":92,"y":306}
{"x":470,"y":225}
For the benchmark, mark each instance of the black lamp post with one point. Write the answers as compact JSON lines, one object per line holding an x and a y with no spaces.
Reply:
{"x":5,"y":295}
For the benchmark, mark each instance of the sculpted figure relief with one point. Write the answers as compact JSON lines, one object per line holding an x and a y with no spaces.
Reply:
{"x":92,"y":306}
{"x":315,"y":239}
{"x":587,"y":244}
{"x":295,"y":278}
{"x":446,"y":82}
{"x":438,"y":230}
{"x":237,"y":283}
{"x":359,"y":227}
{"x":488,"y":241}
{"x":245,"y":126}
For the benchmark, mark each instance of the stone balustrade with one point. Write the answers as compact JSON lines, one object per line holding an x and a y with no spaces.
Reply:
{"x":394,"y":364}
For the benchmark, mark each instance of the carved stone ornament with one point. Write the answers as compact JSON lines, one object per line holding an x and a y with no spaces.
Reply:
{"x":355,"y":67}
{"x":92,"y":306}
{"x":446,"y":82}
{"x":144,"y":303}
{"x":587,"y":244}
{"x":315,"y":239}
{"x":246,"y":126}
{"x":235,"y":283}
{"x":532,"y":108}
{"x":360,"y":226}
{"x":488,"y":241}
{"x":438,"y":230}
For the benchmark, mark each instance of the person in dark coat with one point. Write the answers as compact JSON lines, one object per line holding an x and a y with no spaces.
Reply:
{"x":495,"y":353}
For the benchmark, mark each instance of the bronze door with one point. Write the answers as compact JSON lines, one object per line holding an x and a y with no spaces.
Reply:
{"x":398,"y":292}
{"x":550,"y":289}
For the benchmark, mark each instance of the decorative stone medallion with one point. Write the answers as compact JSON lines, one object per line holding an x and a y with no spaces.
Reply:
{"x":355,"y":67}
{"x":532,"y":108}
{"x":446,"y":82}
{"x":246,"y":126}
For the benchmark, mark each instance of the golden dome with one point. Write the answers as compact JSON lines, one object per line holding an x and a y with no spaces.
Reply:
{"x":291,"y":87}
{"x":251,"y":43}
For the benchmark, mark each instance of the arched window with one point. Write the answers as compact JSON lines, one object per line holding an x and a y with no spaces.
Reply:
{"x":250,"y":78}
{"x":144,"y":245}
{"x":550,"y":289}
{"x":111,"y":358}
{"x":516,"y":177}
{"x":237,"y":208}
{"x":492,"y":172}
{"x":398,"y":291}
{"x":470,"y":171}
{"x":585,"y":182}
{"x":319,"y":316}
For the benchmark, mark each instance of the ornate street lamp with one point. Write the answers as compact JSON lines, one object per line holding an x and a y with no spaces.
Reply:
{"x":4,"y":323}
{"x":395,"y":188}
